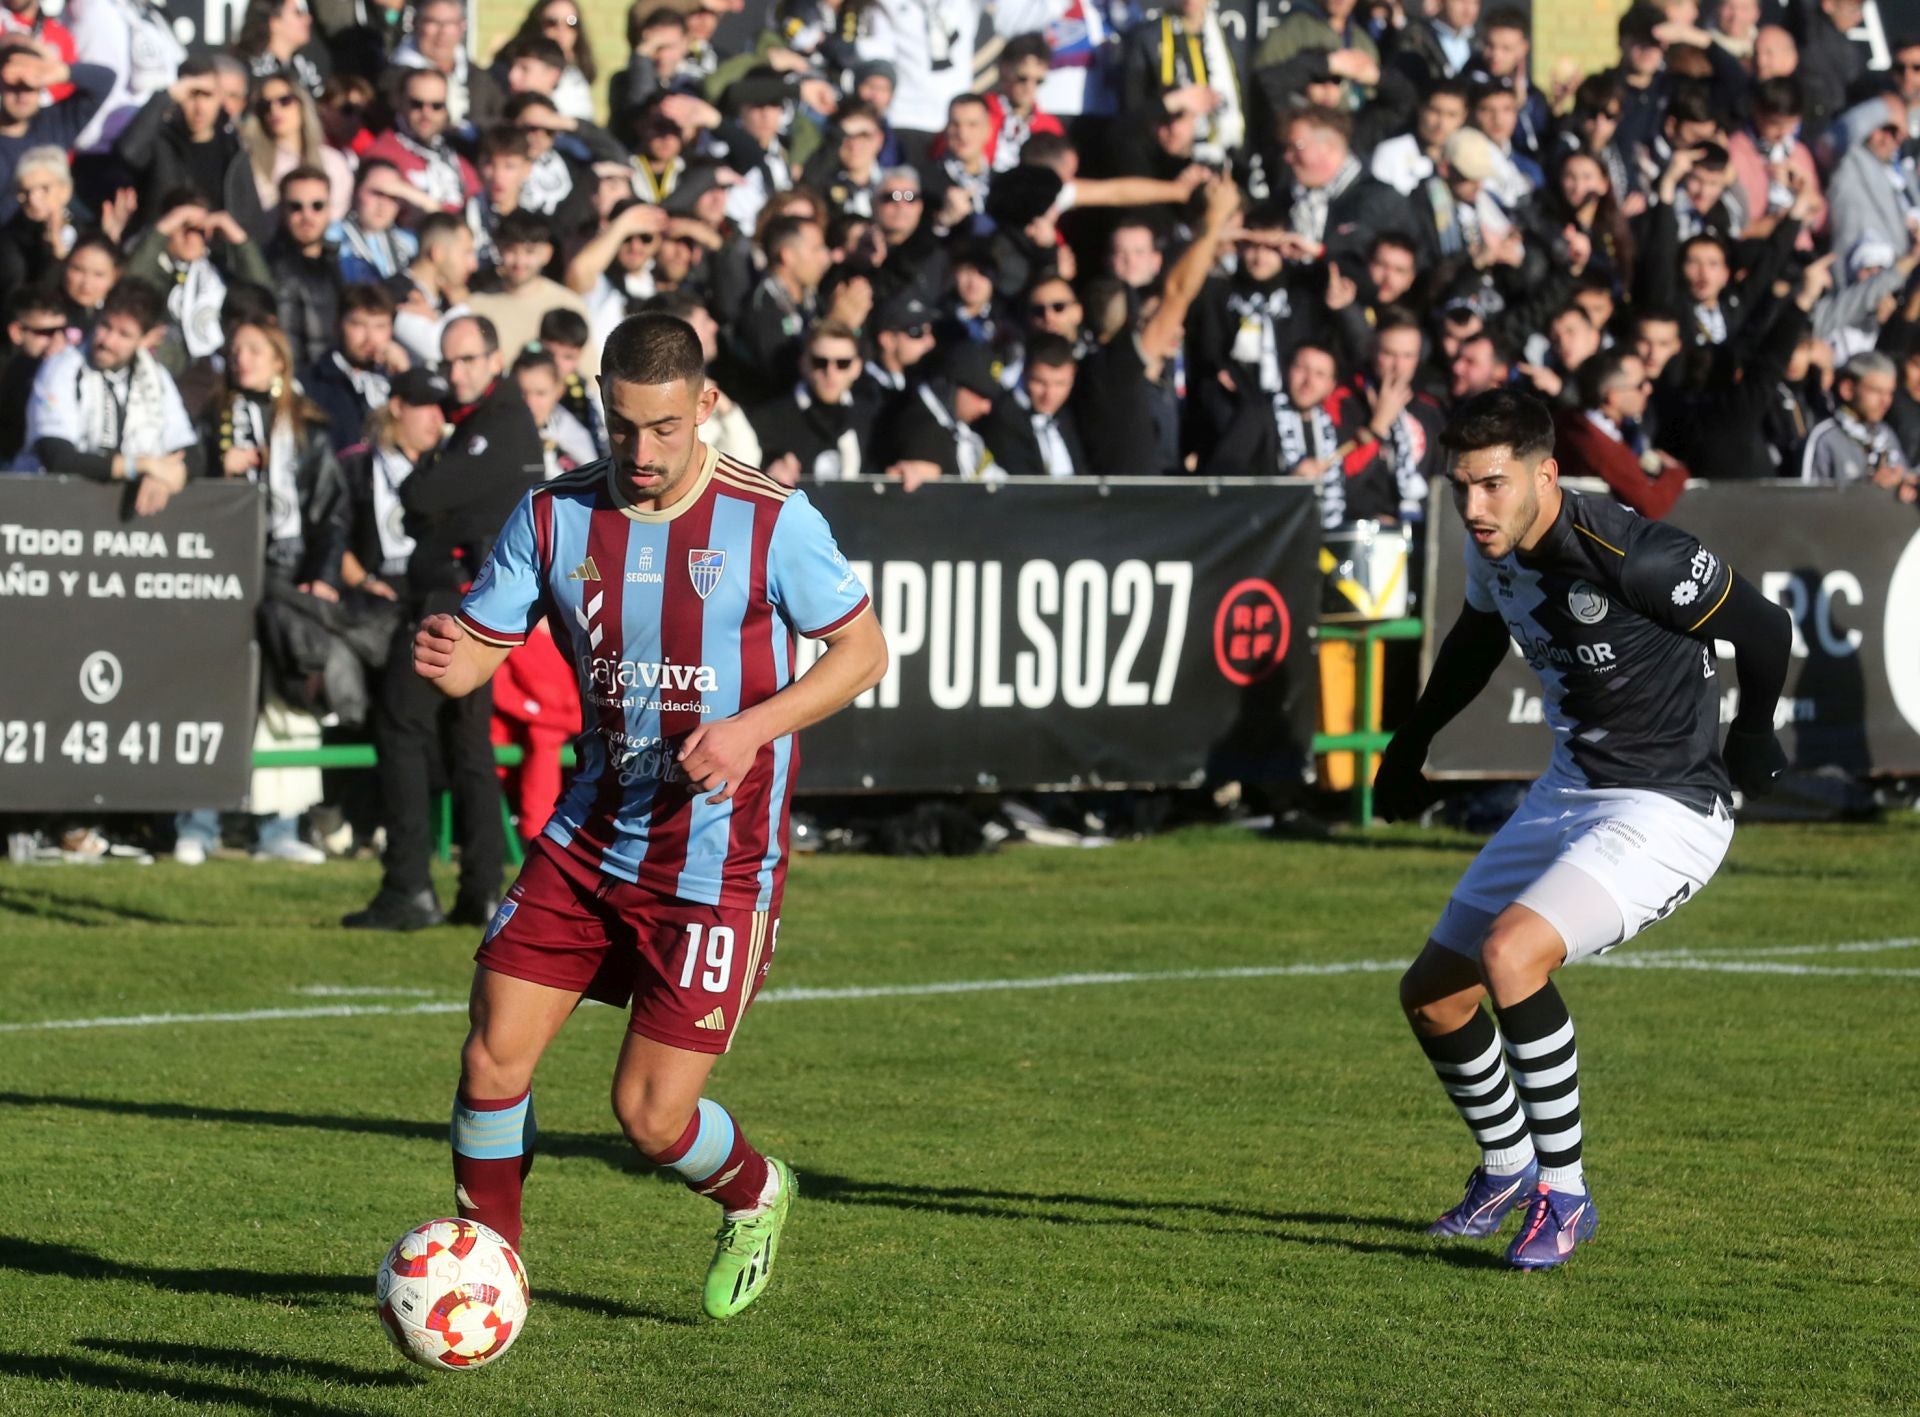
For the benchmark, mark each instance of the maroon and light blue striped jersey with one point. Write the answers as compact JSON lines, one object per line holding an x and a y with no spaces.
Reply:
{"x":671,"y":618}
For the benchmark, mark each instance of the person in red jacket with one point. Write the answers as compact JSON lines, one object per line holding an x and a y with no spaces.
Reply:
{"x":1602,"y":438}
{"x":1015,"y":105}
{"x":536,"y":704}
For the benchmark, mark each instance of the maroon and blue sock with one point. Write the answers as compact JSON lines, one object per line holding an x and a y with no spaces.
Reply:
{"x":714,"y":1158}
{"x":492,"y":1153}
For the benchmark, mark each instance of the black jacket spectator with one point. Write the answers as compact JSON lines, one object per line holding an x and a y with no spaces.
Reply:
{"x":157,"y":148}
{"x":308,"y":291}
{"x":1013,"y":431}
{"x":457,"y":498}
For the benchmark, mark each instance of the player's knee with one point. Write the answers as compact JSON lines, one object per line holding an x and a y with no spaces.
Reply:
{"x":652,"y":1126}
{"x":483,"y":1073}
{"x":1512,"y":953}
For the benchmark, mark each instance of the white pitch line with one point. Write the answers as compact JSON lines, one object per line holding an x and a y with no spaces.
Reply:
{"x":1719,"y":964}
{"x":357,"y":991}
{"x":1864,"y":947}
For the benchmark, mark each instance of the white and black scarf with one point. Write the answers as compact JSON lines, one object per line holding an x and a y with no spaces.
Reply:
{"x":373,"y":385}
{"x":124,"y":411}
{"x":974,"y":184}
{"x":1311,"y":204}
{"x":943,"y":34}
{"x":1710,"y":323}
{"x":194,"y":302}
{"x":389,"y":468}
{"x":843,"y":458}
{"x":1312,"y":435}
{"x":246,"y":426}
{"x":1054,"y":454}
{"x":1406,"y":443}
{"x":1256,"y":340}
{"x":439,"y":176}
{"x":377,"y":248}
{"x":548,"y":185}
{"x":970,"y":453}
{"x":1875,"y":440}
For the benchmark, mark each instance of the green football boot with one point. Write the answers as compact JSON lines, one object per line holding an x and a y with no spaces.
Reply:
{"x":743,"y":1258}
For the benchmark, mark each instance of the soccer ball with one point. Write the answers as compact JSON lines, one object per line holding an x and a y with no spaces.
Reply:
{"x":452,"y":1294}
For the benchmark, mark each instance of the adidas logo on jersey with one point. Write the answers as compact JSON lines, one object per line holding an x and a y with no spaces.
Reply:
{"x":585,"y":571}
{"x":715,"y":1020}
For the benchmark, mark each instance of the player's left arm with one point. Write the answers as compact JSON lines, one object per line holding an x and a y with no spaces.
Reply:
{"x":1674,"y":580}
{"x":817,"y":594}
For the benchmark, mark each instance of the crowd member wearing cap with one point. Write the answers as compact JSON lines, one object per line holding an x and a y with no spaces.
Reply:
{"x":396,"y":436}
{"x":935,"y":431}
{"x":903,"y":336}
{"x":874,"y":82}
{"x":355,"y":376}
{"x":1032,"y":430}
{"x":455,"y":500}
{"x":520,"y":293}
{"x":1460,"y":224}
{"x":818,"y":428}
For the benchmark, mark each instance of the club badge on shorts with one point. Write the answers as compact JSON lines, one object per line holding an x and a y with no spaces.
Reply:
{"x":705,"y":567}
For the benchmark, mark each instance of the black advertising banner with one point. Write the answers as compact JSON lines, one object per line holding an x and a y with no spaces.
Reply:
{"x":1844,"y":562}
{"x":1070,"y":634}
{"x":130,"y":683}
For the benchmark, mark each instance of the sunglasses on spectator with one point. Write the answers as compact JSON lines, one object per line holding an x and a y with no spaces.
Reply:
{"x":645,"y":238}
{"x":428,"y":105}
{"x":1891,"y":130}
{"x":1049,"y":307}
{"x":859,"y":134}
{"x":279,"y":100}
{"x":315,"y":206}
{"x":44,"y":331}
{"x":916,"y":331}
{"x":902,"y":196}
{"x":842,"y":362}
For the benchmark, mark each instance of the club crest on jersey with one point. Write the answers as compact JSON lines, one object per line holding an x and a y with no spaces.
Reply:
{"x":1585,"y":603}
{"x":705,"y":569}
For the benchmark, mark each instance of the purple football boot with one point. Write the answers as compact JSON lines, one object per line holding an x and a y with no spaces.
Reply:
{"x":1488,"y":1201}
{"x":1556,"y":1222}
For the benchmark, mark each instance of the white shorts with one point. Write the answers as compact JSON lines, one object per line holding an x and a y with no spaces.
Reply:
{"x":1600,"y":864}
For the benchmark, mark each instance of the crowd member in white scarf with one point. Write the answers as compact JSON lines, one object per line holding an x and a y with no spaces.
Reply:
{"x":417,"y":143}
{"x":107,"y":411}
{"x":1182,"y":63}
{"x":931,"y":43}
{"x":355,"y":375}
{"x":373,"y":246}
{"x":135,"y":39}
{"x":564,"y":441}
{"x":1857,"y":444}
{"x":402,"y":431}
{"x":192,"y":254}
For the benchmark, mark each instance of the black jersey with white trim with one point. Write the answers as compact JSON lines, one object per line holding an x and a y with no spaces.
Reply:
{"x":1613,"y":612}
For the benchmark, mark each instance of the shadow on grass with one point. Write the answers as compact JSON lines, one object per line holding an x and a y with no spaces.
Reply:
{"x":1315,"y":1228}
{"x":70,"y":1262}
{"x":81,"y":910}
{"x":248,"y":1363}
{"x":108,"y":1377}
{"x":612,"y":1149}
{"x":1062,"y":1208}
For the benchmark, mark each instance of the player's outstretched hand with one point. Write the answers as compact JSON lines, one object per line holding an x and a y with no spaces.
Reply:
{"x":1400,"y":787}
{"x":433,"y":645}
{"x":717,"y":756}
{"x":1754,"y":759}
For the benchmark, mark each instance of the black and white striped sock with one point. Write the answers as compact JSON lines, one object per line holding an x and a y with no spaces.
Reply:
{"x":1546,"y":1069}
{"x":1469,"y":1064}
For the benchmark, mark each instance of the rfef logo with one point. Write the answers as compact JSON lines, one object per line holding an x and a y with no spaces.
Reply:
{"x":1251,"y":631}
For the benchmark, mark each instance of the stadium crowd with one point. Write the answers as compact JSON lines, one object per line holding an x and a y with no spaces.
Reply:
{"x":919,"y":239}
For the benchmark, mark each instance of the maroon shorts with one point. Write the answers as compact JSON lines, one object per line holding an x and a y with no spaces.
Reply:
{"x":691,"y":970}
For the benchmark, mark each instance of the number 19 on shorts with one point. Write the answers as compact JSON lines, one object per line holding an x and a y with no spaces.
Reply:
{"x":713,"y":945}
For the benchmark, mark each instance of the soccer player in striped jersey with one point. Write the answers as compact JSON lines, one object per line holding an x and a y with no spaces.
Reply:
{"x":1618,"y":616}
{"x":674,"y":578}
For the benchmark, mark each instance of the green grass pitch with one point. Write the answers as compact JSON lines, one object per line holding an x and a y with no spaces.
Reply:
{"x":1184,"y":1194}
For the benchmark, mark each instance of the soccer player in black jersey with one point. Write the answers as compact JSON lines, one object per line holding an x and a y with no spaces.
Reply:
{"x":1618,"y":616}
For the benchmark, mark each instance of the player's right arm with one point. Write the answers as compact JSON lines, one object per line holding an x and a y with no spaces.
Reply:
{"x":1468,"y":657}
{"x":459,"y":653}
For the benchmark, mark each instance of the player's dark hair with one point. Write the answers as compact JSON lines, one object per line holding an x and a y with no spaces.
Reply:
{"x":1507,"y":17}
{"x":437,"y":227}
{"x":502,"y":140}
{"x":1396,"y":317}
{"x":1500,"y":418}
{"x":198,"y":66}
{"x":1448,"y":88}
{"x":1397,"y":241}
{"x":967,"y":100}
{"x":1593,"y":378}
{"x":782,"y":232}
{"x":563,"y":326}
{"x":1779,"y":97}
{"x":137,"y":299}
{"x":1654,"y":315}
{"x":653,"y":349}
{"x":538,"y":48}
{"x":365,"y":300}
{"x":1049,"y":351}
{"x":306,"y":172}
{"x":248,"y":303}
{"x":678,"y":303}
{"x":35,"y":300}
{"x":1708,"y":238}
{"x":1045,"y":149}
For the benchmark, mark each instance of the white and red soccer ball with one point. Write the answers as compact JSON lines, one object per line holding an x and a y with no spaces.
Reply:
{"x":452,"y":1294}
